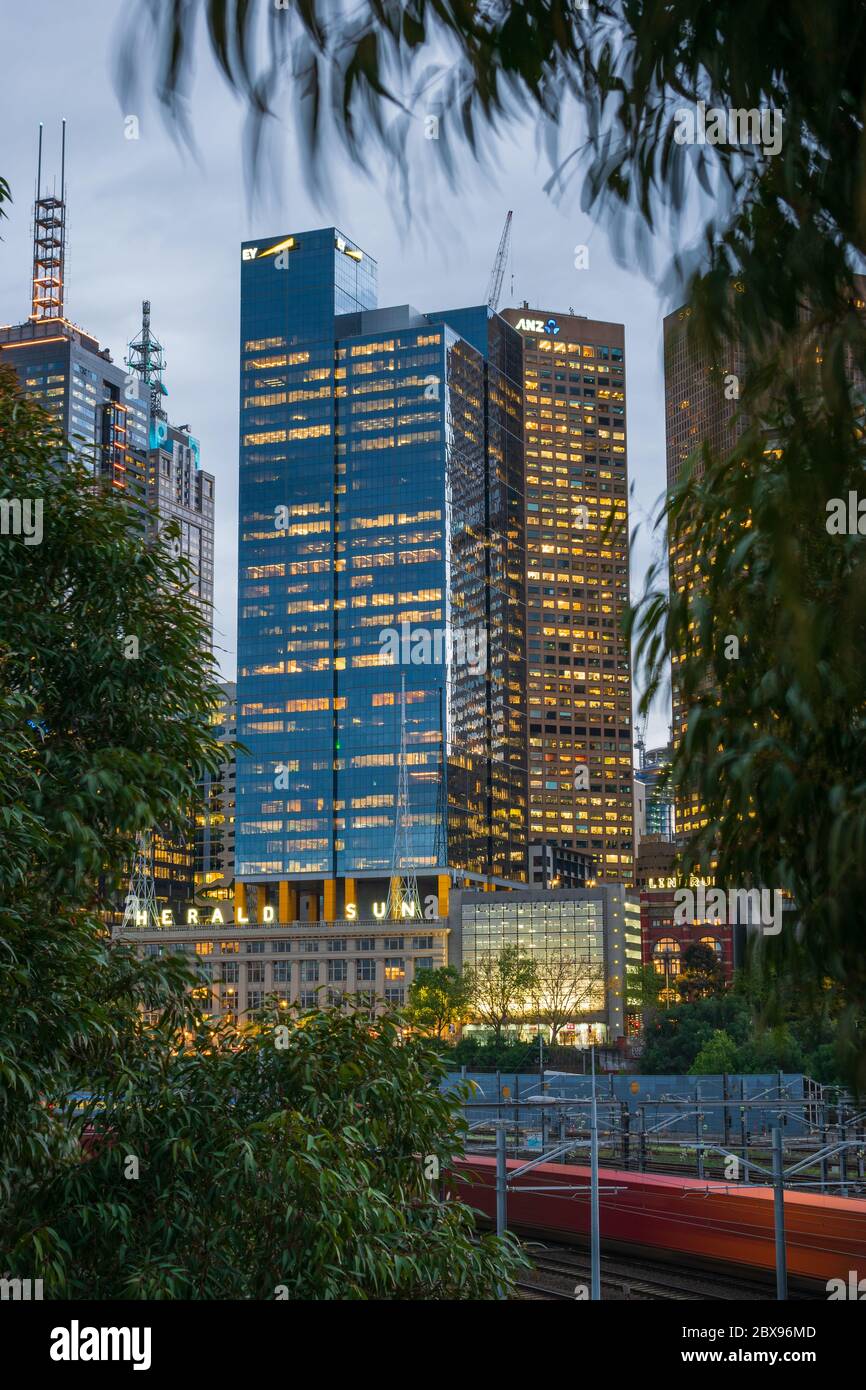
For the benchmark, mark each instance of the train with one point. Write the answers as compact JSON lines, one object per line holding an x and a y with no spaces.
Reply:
{"x":706,"y":1223}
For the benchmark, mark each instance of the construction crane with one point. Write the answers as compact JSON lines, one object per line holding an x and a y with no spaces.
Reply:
{"x":494,"y":289}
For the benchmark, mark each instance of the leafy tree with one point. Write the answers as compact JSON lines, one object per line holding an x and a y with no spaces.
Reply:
{"x":719,"y":1054}
{"x":701,"y":973}
{"x":676,"y":1035}
{"x":295,"y":1166}
{"x":202,"y":1165}
{"x":481,"y":1053}
{"x":499,"y":987}
{"x":566,"y":989}
{"x":774,"y":747}
{"x":644,"y":986}
{"x":437,"y":998}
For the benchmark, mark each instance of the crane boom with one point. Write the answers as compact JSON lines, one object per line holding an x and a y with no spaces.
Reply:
{"x":494,"y":289}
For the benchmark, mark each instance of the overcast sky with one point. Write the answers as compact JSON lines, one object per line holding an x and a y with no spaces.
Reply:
{"x":146,"y":220}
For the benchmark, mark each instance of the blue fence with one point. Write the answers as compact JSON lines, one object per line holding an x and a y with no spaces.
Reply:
{"x":783,"y":1095}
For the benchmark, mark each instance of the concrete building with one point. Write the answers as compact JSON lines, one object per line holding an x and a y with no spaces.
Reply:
{"x":313,"y":964}
{"x":577,"y":586}
{"x":552,"y":865}
{"x":180,"y":493}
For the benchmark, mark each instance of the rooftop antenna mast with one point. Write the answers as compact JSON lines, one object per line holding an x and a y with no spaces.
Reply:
{"x":640,"y":743}
{"x":140,"y":909}
{"x":405,"y":898}
{"x":49,"y":242}
{"x":494,"y":289}
{"x":146,"y":357}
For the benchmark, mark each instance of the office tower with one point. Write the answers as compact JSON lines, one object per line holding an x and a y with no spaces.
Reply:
{"x":122,"y":432}
{"x":179,"y":491}
{"x":657,"y":814}
{"x":701,"y":404}
{"x":66,"y":369}
{"x":381,"y":543}
{"x":577,"y":571}
{"x":215,"y":815}
{"x":180,"y":496}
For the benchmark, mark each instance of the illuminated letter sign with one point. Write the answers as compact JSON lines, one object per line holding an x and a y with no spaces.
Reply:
{"x":253,"y":253}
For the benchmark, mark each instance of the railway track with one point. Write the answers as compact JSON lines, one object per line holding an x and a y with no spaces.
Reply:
{"x":561,"y":1269}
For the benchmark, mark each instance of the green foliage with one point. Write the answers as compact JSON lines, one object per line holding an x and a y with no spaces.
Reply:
{"x":291,"y":1166}
{"x":499,"y":987}
{"x":258,"y":1165}
{"x":718,"y":1054}
{"x":643,"y":986}
{"x":730,"y":1032}
{"x":483,"y":1053}
{"x":437,"y":998}
{"x":701,"y":973}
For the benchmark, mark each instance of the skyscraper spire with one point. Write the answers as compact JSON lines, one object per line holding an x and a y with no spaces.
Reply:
{"x":147,"y":359}
{"x":49,"y":242}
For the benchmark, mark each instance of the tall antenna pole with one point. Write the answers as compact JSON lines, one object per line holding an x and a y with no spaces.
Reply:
{"x":146,"y":357}
{"x":140,"y":909}
{"x":49,"y":243}
{"x":405,"y":898}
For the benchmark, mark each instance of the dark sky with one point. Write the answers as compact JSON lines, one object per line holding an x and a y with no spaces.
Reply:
{"x":148,"y":220}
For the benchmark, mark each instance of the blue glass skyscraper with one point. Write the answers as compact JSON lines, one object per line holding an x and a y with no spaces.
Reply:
{"x":381,"y":542}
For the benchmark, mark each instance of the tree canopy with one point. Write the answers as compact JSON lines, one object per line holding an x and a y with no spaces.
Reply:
{"x":144,"y":1151}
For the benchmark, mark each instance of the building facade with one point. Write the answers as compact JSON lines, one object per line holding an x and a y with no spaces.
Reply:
{"x":215,"y":815}
{"x":381,"y":548}
{"x":243,"y":969}
{"x":654,"y":803}
{"x":591,"y":933}
{"x":664,"y":942}
{"x":179,"y":492}
{"x":577,"y":587}
{"x":88,"y":396}
{"x":554,"y":865}
{"x":701,"y":406}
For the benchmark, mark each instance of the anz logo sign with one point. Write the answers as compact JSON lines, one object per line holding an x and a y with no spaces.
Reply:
{"x":538,"y":326}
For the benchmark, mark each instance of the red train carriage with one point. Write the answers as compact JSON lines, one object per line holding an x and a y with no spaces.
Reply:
{"x":708,"y":1222}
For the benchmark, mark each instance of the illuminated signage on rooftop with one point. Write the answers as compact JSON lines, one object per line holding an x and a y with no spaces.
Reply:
{"x":255,"y":253}
{"x":538,"y":326}
{"x":347,"y":250}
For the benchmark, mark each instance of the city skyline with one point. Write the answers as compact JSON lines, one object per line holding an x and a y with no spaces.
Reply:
{"x":145,"y":215}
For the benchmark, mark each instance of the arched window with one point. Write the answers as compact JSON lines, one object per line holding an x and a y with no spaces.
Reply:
{"x":666,"y":956}
{"x":714,"y":944}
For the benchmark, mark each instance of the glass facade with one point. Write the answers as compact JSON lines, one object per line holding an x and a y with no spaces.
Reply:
{"x":89,"y":397}
{"x":567,"y":928}
{"x":583,"y":940}
{"x":579,"y":671}
{"x":380,"y":541}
